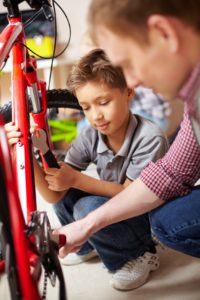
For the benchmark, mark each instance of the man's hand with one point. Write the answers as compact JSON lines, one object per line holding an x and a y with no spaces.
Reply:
{"x":61,"y":179}
{"x":77,"y":233}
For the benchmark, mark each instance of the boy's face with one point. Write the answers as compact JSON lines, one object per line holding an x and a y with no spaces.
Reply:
{"x":155,"y":65}
{"x":107,"y":109}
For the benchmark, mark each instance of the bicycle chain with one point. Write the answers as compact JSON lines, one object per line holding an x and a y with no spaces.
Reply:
{"x":39,"y":226}
{"x":44,"y":292}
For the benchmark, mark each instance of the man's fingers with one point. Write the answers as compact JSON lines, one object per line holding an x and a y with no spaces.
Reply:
{"x":57,"y":231}
{"x":63,"y":252}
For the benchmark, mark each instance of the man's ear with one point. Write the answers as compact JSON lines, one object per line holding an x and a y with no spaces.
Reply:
{"x":164,"y":29}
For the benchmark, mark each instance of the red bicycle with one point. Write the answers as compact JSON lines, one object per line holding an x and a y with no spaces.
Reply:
{"x":27,"y":245}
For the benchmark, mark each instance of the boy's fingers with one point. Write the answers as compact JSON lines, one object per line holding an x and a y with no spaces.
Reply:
{"x":51,"y":171}
{"x":32,"y":130}
{"x":9,"y":124}
{"x":11,"y":128}
{"x":11,"y":134}
{"x":13,"y":141}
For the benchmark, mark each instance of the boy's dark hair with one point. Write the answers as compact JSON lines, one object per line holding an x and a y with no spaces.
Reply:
{"x":95,"y":67}
{"x":131,"y":15}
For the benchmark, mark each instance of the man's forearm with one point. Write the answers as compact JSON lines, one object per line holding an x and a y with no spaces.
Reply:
{"x":135,"y":200}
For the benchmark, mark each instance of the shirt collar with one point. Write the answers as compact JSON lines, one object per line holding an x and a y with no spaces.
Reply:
{"x":190,"y":88}
{"x":102,"y":147}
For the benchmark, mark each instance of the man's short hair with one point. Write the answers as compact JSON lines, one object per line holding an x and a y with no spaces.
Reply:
{"x":131,"y":15}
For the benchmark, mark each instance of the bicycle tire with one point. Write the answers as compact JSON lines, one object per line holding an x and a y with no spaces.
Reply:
{"x":7,"y":243}
{"x":56,"y":98}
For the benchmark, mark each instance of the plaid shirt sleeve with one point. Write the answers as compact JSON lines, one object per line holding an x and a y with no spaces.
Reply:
{"x":177,"y":172}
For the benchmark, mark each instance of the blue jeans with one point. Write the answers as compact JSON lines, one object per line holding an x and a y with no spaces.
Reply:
{"x":177,"y":223}
{"x":116,"y":244}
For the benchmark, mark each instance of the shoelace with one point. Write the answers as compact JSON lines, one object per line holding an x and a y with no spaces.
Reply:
{"x":129,"y":265}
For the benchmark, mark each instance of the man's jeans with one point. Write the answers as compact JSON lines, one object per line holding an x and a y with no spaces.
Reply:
{"x":177,"y":223}
{"x":115,"y":244}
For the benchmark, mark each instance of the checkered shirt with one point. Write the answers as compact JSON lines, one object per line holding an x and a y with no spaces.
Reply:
{"x":176,"y":173}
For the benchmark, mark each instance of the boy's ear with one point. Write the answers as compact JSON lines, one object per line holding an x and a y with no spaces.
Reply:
{"x":131,"y":93}
{"x":164,"y":29}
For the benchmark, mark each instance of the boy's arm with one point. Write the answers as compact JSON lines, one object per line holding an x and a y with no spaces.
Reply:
{"x":13,"y":135}
{"x":67,"y":177}
{"x":98,"y":187}
{"x":42,"y":185}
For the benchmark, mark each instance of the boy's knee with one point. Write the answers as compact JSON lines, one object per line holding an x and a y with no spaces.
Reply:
{"x":86,"y":205}
{"x":57,"y":207}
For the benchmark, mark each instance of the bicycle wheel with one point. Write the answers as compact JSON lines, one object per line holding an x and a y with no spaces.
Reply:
{"x":23,"y":263}
{"x":56,"y":98}
{"x":7,"y":244}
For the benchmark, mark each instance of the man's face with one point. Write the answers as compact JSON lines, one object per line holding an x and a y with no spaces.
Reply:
{"x":153,"y":65}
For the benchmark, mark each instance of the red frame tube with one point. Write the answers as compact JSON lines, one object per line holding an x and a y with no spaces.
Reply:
{"x":20,"y":185}
{"x":20,"y":178}
{"x":28,"y":286}
{"x":23,"y":152}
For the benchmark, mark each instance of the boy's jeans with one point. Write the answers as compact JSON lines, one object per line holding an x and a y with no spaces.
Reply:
{"x":177,"y":223}
{"x":115,"y":244}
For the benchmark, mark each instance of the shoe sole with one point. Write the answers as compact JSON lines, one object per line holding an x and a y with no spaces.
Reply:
{"x":79,"y":260}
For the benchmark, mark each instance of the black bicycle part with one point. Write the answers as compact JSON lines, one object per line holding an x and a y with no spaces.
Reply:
{"x":13,"y":7}
{"x":51,"y":263}
{"x":40,"y":227}
{"x":51,"y":160}
{"x":7,"y":244}
{"x":56,"y":98}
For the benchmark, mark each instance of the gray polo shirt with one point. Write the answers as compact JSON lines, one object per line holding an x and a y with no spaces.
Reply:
{"x":144,"y":142}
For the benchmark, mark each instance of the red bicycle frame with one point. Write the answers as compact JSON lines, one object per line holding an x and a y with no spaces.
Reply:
{"x":27,"y":285}
{"x":19,"y":180}
{"x":24,"y":79}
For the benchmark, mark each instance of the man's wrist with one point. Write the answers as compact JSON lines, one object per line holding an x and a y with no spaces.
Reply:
{"x":93,"y":223}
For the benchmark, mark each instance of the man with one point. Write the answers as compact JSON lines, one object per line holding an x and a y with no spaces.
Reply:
{"x":157,"y":43}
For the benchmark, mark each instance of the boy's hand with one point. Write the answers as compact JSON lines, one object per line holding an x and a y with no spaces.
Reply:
{"x":13,"y":133}
{"x":61,"y":179}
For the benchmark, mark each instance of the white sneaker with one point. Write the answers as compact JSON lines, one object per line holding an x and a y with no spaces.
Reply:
{"x":135,"y":272}
{"x":75,"y":259}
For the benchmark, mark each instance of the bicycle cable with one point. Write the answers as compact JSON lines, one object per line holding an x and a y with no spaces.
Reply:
{"x":68,"y":41}
{"x":30,"y":21}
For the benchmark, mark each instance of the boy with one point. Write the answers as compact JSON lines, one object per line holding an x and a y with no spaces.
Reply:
{"x":120,"y":145}
{"x":157,"y":43}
